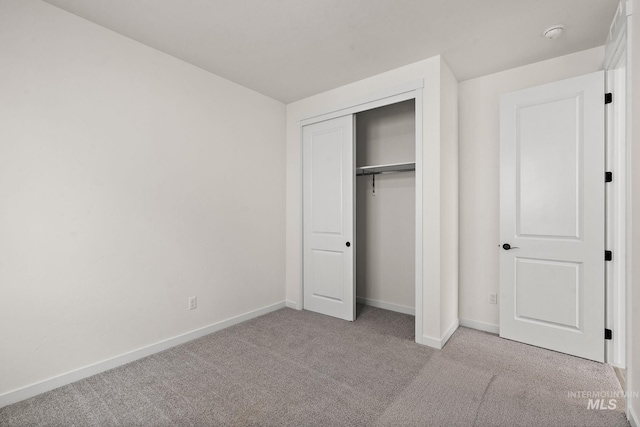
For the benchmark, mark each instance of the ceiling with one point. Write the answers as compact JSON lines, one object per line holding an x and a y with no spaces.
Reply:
{"x":291,"y":49}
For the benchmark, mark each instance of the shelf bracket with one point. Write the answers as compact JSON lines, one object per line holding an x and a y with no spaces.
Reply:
{"x":373,"y":193}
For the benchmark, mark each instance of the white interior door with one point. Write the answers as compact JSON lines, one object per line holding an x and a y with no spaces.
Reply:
{"x":552,"y":158}
{"x":328,"y":217}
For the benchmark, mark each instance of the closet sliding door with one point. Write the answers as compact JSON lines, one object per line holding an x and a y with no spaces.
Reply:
{"x":328,"y":217}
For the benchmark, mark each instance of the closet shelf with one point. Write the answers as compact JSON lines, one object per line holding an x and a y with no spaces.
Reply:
{"x":392,"y":167}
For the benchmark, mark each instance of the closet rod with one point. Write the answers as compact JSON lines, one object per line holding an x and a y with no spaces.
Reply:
{"x":393,"y":167}
{"x":367,"y":173}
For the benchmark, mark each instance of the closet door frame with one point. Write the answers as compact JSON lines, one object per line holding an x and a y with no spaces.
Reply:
{"x":412,"y":90}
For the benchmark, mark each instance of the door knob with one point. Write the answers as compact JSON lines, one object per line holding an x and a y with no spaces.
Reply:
{"x":507,"y":247}
{"x":348,"y":244}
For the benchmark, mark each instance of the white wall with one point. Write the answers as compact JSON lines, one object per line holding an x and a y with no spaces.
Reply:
{"x":129,"y":181}
{"x":434,"y":260}
{"x":385,"y":222}
{"x":479,"y":174}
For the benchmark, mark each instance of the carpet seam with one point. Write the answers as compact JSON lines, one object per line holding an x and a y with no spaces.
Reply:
{"x":475,"y":418}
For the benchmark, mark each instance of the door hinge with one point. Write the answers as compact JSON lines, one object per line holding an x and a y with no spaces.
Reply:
{"x":608,"y":176}
{"x":608,"y":334}
{"x":608,"y":255}
{"x":608,"y":98}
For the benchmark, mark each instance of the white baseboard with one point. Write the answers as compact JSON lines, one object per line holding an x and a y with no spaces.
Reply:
{"x":387,"y":306}
{"x":291,"y":304}
{"x":632,"y":417}
{"x":440,"y":342}
{"x":431,"y":342}
{"x":481,"y":326}
{"x":450,"y":331}
{"x":67,"y":378}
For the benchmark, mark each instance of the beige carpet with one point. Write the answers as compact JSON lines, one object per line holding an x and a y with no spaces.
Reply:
{"x":292,"y":368}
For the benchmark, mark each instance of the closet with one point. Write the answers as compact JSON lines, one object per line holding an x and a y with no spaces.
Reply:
{"x":385,"y":207}
{"x":359,"y":211}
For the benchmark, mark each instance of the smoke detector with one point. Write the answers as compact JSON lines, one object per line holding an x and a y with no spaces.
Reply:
{"x":553,"y":32}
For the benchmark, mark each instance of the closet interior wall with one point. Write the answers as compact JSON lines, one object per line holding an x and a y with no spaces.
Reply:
{"x":385,"y":222}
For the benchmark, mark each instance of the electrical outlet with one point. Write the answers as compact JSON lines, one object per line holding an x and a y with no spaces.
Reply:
{"x":493,"y":298}
{"x":193,"y":303}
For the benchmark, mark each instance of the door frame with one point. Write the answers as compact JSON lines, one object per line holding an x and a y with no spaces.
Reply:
{"x":618,"y":221}
{"x":405,"y":92}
